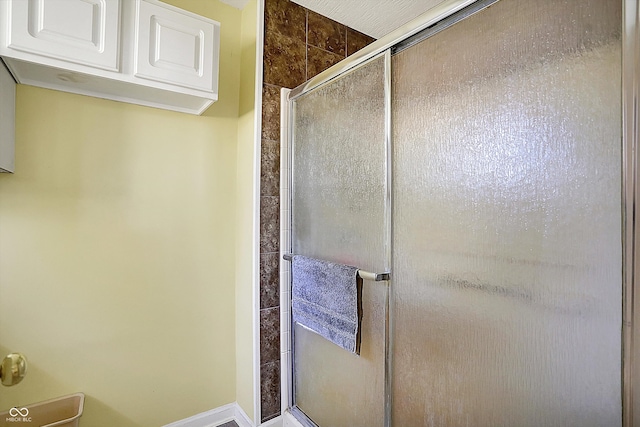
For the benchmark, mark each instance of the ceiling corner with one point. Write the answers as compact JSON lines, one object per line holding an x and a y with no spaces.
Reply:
{"x":238,"y":4}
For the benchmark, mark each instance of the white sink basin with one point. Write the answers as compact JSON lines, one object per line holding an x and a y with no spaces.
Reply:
{"x":62,"y":411}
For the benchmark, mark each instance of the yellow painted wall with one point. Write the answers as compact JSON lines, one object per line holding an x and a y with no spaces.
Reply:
{"x":117,"y":250}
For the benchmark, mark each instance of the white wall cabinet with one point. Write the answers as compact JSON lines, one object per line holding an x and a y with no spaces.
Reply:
{"x":7,"y":119}
{"x":138,"y":51}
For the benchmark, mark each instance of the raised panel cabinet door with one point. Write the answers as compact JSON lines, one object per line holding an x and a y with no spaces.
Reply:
{"x":176,"y":47}
{"x":83,"y":32}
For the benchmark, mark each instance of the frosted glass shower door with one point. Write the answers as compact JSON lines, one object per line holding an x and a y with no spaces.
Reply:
{"x":506,"y":291}
{"x":340,"y":213}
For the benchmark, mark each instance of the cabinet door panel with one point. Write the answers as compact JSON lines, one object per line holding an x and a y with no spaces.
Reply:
{"x":176,"y":47}
{"x":79,"y":31}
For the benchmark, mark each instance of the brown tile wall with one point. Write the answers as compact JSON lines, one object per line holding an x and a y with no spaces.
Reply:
{"x":298,"y":45}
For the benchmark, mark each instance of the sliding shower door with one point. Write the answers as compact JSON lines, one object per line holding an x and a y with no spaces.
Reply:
{"x":506,"y":158}
{"x":340,"y":213}
{"x":507,"y":219}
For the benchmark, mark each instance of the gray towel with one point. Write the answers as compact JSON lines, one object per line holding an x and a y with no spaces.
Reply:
{"x":325,"y":299}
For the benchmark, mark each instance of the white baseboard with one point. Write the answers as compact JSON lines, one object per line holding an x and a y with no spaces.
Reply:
{"x":215,"y":417}
{"x":231,"y":412}
{"x":241,"y":417}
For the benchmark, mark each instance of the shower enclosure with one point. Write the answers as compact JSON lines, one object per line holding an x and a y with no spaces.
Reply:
{"x":484,"y":155}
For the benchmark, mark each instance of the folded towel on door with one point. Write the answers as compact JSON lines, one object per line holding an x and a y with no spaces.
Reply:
{"x":325,"y":299}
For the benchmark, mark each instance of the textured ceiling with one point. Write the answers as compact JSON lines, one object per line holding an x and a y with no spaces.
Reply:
{"x":375,"y":18}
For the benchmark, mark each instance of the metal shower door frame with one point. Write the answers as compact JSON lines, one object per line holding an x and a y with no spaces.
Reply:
{"x":631,"y":211}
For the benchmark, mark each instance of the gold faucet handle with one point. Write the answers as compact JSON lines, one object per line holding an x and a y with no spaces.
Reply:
{"x":13,"y":369}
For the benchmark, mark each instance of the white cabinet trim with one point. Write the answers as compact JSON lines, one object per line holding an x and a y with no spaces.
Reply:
{"x":7,"y":120}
